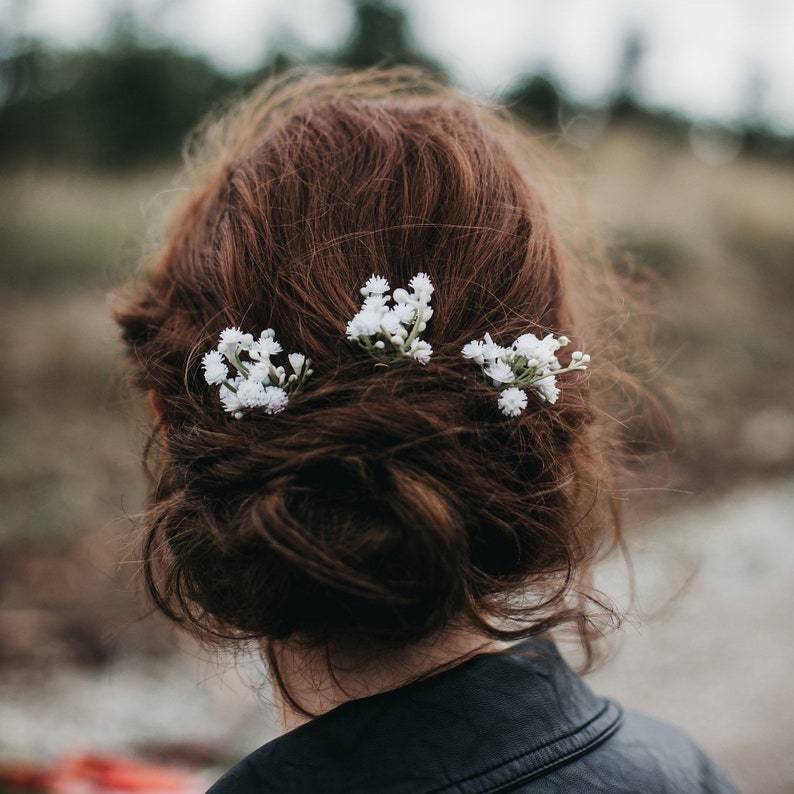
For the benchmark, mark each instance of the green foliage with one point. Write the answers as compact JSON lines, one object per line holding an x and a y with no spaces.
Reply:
{"x":124,"y":105}
{"x":133,"y":102}
{"x":381,"y":37}
{"x":536,"y":99}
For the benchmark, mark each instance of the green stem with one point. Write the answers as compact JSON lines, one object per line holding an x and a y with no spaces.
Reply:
{"x":239,"y":366}
{"x":420,"y":310}
{"x":524,"y":381}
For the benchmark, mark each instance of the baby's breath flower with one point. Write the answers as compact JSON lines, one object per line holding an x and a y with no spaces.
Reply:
{"x":376,"y":285}
{"x":232,"y":341}
{"x":296,"y":361}
{"x":405,"y":312}
{"x":529,"y":363}
{"x":374,"y":302}
{"x":421,"y":285}
{"x":268,"y":346}
{"x":257,"y":382}
{"x":275,"y":399}
{"x":390,"y":322}
{"x":365,"y":323}
{"x":216,"y":370}
{"x":231,"y":402}
{"x":260,"y":372}
{"x":251,"y":393}
{"x":540,"y":350}
{"x":491,"y":351}
{"x":388,"y":332}
{"x":420,"y":350}
{"x":512,"y":401}
{"x":500,"y":372}
{"x":548,"y":388}
{"x":474,"y":351}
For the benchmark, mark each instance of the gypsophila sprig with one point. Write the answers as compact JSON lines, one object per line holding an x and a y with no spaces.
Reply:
{"x":389,"y":332}
{"x":248,"y":379}
{"x":528,"y":364}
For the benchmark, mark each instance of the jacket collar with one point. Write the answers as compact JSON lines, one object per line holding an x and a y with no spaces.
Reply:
{"x":483,"y":726}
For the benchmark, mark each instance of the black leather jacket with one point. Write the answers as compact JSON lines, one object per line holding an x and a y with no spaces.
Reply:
{"x":520,"y":721}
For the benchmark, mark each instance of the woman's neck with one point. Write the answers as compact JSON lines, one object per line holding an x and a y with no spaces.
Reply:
{"x":318,"y":687}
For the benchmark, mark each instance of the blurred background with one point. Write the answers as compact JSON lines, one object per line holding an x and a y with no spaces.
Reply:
{"x":670,"y":127}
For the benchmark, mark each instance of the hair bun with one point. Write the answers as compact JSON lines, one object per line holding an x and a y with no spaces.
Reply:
{"x":326,"y":528}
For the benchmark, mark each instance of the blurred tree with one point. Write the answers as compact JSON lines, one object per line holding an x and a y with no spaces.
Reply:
{"x":143,"y":101}
{"x":116,"y":107}
{"x":624,"y":102}
{"x":381,"y":36}
{"x":537,"y":100}
{"x":133,"y":101}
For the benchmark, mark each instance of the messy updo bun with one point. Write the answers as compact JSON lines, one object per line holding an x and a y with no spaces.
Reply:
{"x":387,"y":501}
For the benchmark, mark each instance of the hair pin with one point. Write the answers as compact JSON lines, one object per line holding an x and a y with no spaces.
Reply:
{"x":528,"y":364}
{"x":255,"y":381}
{"x":389,"y":332}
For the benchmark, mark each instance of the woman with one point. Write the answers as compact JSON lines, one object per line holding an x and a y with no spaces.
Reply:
{"x":378,"y":454}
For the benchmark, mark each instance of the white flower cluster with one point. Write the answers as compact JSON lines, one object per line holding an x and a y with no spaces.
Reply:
{"x":529,"y":363}
{"x":387,"y":332}
{"x":254,"y":382}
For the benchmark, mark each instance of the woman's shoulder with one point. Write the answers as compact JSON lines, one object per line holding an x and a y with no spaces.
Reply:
{"x":646,"y":755}
{"x":521,"y":721}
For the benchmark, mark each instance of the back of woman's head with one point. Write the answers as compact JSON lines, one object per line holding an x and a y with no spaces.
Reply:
{"x":387,"y":501}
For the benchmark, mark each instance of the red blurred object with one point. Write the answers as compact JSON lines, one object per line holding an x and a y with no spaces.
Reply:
{"x":93,"y":773}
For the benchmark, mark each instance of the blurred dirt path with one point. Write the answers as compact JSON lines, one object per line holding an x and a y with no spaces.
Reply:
{"x":714,"y":652}
{"x":711,"y":650}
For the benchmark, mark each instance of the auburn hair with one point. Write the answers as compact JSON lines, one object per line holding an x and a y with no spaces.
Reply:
{"x":387,"y":501}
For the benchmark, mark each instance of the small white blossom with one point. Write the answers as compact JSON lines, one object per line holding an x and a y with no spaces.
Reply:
{"x":384,"y":330}
{"x":232,"y":341}
{"x":547,"y":388}
{"x":390,"y":322}
{"x":500,"y":372}
{"x":267,"y":347}
{"x":529,"y":363}
{"x":405,"y":312}
{"x":296,"y":361}
{"x":251,"y":394}
{"x":474,"y":351}
{"x":376,"y":285}
{"x":231,"y":402}
{"x":254,"y":384}
{"x":365,"y":323}
{"x":421,"y":285}
{"x":215,"y":368}
{"x":260,"y":372}
{"x":512,"y":401}
{"x":275,"y":399}
{"x":401,"y":295}
{"x":375,"y":301}
{"x":420,"y":350}
{"x":491,"y":351}
{"x":540,"y":351}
